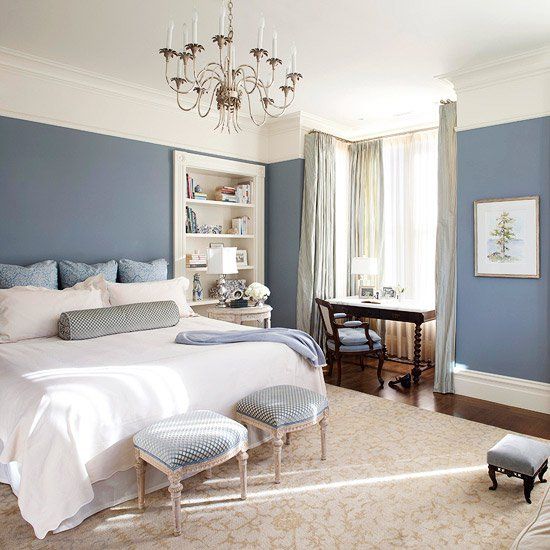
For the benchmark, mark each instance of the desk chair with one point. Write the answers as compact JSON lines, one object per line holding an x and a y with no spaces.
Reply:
{"x":347,"y":339}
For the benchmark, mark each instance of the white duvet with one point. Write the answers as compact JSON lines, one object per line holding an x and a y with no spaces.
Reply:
{"x":68,"y":410}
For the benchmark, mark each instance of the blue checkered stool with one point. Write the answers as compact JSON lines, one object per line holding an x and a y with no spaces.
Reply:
{"x":281,"y":410}
{"x":186,"y":444}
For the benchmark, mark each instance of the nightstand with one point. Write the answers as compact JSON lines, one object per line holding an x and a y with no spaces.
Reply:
{"x":240,"y":315}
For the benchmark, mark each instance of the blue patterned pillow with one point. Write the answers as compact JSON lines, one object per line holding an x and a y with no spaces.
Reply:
{"x":142,"y":272}
{"x":43,"y":274}
{"x":72,"y":273}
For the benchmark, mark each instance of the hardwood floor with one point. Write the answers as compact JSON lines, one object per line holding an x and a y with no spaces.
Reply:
{"x":510,"y":418}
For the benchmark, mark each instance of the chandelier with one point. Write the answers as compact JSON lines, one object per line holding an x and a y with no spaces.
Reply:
{"x":229,"y":84}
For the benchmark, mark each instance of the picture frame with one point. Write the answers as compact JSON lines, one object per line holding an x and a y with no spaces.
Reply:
{"x":242,"y":258}
{"x":366,"y":291}
{"x":389,"y":292}
{"x":507,"y":237}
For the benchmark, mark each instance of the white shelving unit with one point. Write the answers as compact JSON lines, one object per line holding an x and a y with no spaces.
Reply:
{"x":210,"y":173}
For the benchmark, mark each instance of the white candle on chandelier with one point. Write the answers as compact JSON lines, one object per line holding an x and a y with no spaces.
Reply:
{"x":195,"y":27}
{"x":169,"y":32}
{"x":185,"y":35}
{"x":261,"y":31}
{"x":221,"y":30}
{"x":180,"y":68}
{"x":293,"y":58}
{"x":274,"y":45}
{"x":232,"y":57}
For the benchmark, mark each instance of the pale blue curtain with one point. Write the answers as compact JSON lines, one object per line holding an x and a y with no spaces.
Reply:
{"x":366,"y":203}
{"x":445,"y":261}
{"x":316,"y":264}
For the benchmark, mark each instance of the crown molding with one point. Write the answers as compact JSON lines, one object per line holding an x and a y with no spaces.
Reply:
{"x":504,"y":69}
{"x":505,"y":90}
{"x":47,"y":69}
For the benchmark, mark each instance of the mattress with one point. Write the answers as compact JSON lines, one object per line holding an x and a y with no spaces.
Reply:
{"x":69,"y":409}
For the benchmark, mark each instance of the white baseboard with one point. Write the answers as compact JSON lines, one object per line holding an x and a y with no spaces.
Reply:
{"x":516,"y":392}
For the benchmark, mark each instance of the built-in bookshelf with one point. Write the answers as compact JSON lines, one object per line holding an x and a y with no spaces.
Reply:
{"x":211,"y":174}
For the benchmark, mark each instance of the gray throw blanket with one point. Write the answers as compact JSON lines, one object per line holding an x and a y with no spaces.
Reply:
{"x":297,"y":340}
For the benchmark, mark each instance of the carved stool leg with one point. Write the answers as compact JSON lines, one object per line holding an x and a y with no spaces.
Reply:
{"x":287,"y":439}
{"x":242,"y":457}
{"x":323,"y":425}
{"x":542,"y":472}
{"x":175,"y":492}
{"x":140,"y":473}
{"x":277,"y":444}
{"x":492,"y":475}
{"x":208,"y":473}
{"x":528,"y":483}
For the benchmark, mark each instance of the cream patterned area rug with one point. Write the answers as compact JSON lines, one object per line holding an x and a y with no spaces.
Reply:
{"x":395,"y":477}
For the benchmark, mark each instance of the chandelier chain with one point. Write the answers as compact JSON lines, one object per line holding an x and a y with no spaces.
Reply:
{"x":230,"y":18}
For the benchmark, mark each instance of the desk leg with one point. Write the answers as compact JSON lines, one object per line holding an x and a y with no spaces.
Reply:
{"x":416,"y":371}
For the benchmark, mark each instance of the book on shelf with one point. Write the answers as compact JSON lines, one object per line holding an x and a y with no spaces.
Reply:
{"x":240,"y":225}
{"x":190,"y":187}
{"x":195,"y":260}
{"x":191,"y":220}
{"x":200,"y":196}
{"x":243,"y":193}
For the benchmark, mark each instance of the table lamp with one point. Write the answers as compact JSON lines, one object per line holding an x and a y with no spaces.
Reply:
{"x":222,"y":261}
{"x":363,"y":265}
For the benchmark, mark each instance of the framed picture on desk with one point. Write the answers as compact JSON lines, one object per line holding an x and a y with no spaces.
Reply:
{"x":366,"y":292}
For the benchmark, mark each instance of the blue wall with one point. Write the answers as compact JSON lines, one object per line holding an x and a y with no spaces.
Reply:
{"x":503,"y":325}
{"x":285,"y":182}
{"x":69,"y":194}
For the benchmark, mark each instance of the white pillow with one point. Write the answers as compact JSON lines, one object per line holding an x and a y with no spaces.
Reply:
{"x":96,"y":281}
{"x":33,"y":312}
{"x":133,"y":293}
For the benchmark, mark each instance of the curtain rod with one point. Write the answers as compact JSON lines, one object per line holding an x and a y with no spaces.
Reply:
{"x":373,"y":138}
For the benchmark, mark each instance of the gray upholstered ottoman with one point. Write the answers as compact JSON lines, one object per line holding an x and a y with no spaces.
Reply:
{"x":186,"y":444}
{"x":520,"y":457}
{"x":281,"y":410}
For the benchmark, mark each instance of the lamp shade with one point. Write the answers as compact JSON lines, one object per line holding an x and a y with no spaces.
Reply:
{"x":222,"y":260}
{"x":361,"y":265}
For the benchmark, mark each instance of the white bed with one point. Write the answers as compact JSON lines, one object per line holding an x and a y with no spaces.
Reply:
{"x":68,"y":410}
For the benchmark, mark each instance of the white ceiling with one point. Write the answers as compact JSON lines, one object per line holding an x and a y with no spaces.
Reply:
{"x":366,"y":63}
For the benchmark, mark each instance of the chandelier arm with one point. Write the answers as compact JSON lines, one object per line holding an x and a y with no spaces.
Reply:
{"x":185,"y":108}
{"x":210,"y":103}
{"x":244,"y":78}
{"x":251,"y":114}
{"x":214,"y":77}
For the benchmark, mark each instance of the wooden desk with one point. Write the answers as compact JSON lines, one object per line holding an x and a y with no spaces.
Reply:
{"x":405,"y":311}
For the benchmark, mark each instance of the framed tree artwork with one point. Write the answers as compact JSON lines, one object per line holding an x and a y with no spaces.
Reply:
{"x":507,"y":237}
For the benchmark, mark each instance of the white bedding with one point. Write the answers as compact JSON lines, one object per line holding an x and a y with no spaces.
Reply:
{"x":69,"y":409}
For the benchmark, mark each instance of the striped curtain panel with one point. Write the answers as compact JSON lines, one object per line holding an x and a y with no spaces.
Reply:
{"x":366,"y":204}
{"x":316,"y":264}
{"x":445,"y":261}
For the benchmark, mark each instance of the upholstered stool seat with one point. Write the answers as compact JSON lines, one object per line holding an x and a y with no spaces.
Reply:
{"x":521,"y":457}
{"x":186,"y":444}
{"x":281,"y":410}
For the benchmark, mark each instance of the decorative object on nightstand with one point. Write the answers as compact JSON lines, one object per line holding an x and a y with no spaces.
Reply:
{"x":280,"y":410}
{"x":519,"y":456}
{"x":197,"y":288}
{"x":240,"y":315}
{"x":258,"y":293}
{"x":362,"y":265}
{"x":222,"y":261}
